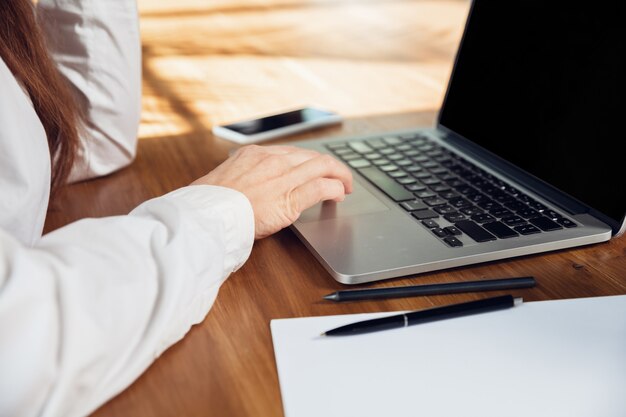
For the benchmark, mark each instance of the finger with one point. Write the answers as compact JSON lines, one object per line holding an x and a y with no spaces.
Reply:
{"x":277,"y":156}
{"x":283,"y":149}
{"x":271,"y":149}
{"x":313,"y":192}
{"x":322,"y":166}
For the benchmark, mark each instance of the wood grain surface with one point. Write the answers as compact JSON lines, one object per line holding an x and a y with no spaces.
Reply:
{"x":382,"y":64}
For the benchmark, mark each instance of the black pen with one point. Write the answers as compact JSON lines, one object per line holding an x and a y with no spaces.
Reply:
{"x":431,"y":289}
{"x":426,"y":316}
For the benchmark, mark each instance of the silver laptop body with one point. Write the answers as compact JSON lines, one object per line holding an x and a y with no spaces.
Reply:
{"x":371,"y":237}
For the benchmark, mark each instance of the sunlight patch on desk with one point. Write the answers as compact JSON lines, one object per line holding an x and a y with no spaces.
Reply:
{"x":225,"y":89}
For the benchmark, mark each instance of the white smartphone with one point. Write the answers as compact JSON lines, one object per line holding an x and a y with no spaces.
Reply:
{"x":276,"y":125}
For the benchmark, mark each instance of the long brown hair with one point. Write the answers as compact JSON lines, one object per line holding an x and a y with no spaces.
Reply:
{"x":23,"y":49}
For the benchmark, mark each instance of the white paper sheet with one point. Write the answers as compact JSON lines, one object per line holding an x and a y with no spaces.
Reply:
{"x":552,"y":358}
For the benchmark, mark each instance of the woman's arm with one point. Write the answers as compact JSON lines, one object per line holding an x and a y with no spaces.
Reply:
{"x":96,"y":46}
{"x":84,"y":312}
{"x":88,"y":307}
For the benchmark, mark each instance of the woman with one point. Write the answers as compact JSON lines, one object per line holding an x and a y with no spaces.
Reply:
{"x":85,"y":309}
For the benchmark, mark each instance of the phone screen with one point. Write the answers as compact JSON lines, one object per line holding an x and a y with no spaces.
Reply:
{"x":264,"y":124}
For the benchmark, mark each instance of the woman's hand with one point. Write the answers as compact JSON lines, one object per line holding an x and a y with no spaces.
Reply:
{"x":281,"y":182}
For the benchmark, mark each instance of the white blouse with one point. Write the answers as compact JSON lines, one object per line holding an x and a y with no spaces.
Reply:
{"x":84,"y":310}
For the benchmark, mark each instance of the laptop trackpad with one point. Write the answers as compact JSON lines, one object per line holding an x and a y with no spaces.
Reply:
{"x":360,"y":201}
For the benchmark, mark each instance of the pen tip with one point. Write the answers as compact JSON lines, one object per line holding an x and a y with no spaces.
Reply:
{"x":331,"y":297}
{"x":322,"y":334}
{"x":517,"y":301}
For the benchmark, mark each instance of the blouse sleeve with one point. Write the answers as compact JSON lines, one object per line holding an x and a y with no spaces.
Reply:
{"x":85,"y":311}
{"x":96,"y":45}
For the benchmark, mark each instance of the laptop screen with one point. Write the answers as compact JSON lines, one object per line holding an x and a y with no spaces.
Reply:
{"x":543,"y":87}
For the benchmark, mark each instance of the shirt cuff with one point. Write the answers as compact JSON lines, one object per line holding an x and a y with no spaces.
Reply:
{"x":211,"y":204}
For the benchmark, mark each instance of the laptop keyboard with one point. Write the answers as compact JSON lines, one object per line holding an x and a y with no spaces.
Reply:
{"x":433,"y":183}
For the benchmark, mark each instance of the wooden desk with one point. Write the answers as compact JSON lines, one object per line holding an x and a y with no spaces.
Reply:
{"x":225,"y":365}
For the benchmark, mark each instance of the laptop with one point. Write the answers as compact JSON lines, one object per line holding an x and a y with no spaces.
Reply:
{"x":523,"y":158}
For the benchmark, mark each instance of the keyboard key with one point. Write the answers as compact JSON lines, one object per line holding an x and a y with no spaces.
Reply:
{"x":360,"y":147}
{"x":566,"y":222}
{"x":415,"y":187}
{"x":406,"y":181}
{"x":413,"y":205}
{"x":552,"y":214}
{"x":447,"y":177}
{"x":500,"y":212}
{"x":527,"y":213}
{"x":425,"y":214}
{"x":359,"y":163}
{"x":471,"y":210}
{"x":513,"y":191}
{"x":454,"y":217}
{"x":544,"y":223}
{"x":489,"y":205}
{"x":386,"y":184}
{"x":459,"y":202}
{"x":418,"y":139}
{"x":381,"y":161}
{"x":525,"y":199}
{"x":421,"y":175}
{"x":443,"y":159}
{"x":397,"y":174}
{"x":441,"y":189}
{"x":336,"y":145}
{"x":392,"y":140}
{"x":435,"y":201}
{"x":537,"y":206}
{"x":449,"y":194}
{"x":516,"y":205}
{"x":388,"y":168}
{"x":431,"y":181}
{"x":513,"y":221}
{"x":350,"y":156}
{"x":429,"y":164}
{"x":504,"y":199}
{"x":435,"y":152}
{"x":482,"y":218}
{"x":451,"y":230}
{"x":438,"y":171}
{"x":431,"y":224}
{"x":342,"y":151}
{"x":439,"y":232}
{"x":376,"y":143}
{"x":420,"y":158}
{"x":500,"y":230}
{"x":413,"y":168}
{"x":478,"y":198}
{"x":455,"y":182}
{"x":466,"y":189}
{"x":445,"y":210}
{"x":474,"y":231}
{"x":452,"y":241}
{"x":372,"y":156}
{"x":527,"y":229}
{"x":425,"y":194}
